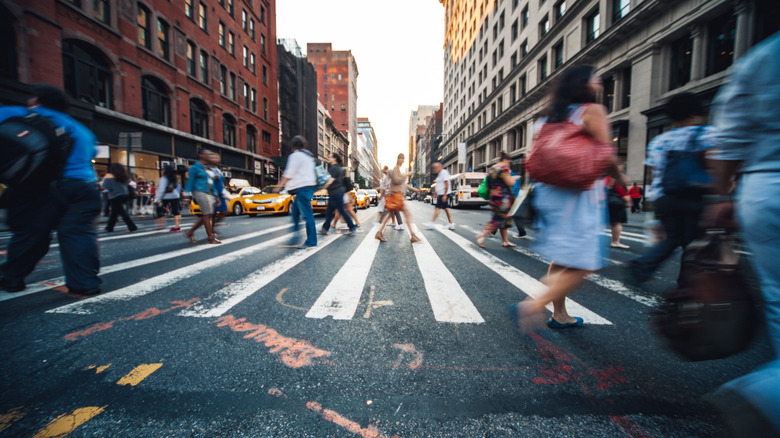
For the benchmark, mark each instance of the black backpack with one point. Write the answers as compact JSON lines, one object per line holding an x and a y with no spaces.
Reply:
{"x":34,"y":152}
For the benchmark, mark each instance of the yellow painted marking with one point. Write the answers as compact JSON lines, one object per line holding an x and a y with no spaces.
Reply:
{"x":138,"y":374}
{"x":281,"y":301}
{"x":10,"y":417}
{"x":98,"y":368}
{"x":67,"y":423}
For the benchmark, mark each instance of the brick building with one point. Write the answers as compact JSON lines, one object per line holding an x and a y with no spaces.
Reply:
{"x":337,"y":74}
{"x":184,"y":74}
{"x":297,"y":97}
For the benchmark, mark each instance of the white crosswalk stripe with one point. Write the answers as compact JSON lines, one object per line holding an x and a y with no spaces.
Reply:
{"x":226,"y":298}
{"x":448,"y":300}
{"x":529,"y":285}
{"x":341,"y":297}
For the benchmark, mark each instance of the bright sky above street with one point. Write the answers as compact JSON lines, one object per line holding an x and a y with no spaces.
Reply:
{"x":398,"y":46}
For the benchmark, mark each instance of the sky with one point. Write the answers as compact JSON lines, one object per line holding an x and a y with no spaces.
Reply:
{"x":398,"y":47}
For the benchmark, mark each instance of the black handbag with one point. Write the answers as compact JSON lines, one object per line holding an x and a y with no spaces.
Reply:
{"x":712,"y":315}
{"x":615,"y":200}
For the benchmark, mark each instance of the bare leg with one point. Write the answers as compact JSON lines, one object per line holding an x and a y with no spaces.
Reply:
{"x":449,"y":216}
{"x":385,"y":220}
{"x":177,"y":221}
{"x":351,"y":212}
{"x":617,"y":228}
{"x":408,"y":215}
{"x":436,"y":214}
{"x":561,"y":281}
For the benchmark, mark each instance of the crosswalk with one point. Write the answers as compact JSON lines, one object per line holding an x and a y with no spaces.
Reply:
{"x":347,"y":288}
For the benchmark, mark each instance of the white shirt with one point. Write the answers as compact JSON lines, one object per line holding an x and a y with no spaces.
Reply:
{"x":300,"y":170}
{"x":440,"y":183}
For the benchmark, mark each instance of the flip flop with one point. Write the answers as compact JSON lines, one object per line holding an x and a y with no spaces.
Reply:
{"x":508,"y":245}
{"x":552,"y":323}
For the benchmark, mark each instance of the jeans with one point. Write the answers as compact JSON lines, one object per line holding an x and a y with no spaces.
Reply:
{"x":758,"y":212}
{"x":72,"y":211}
{"x":680,"y":220}
{"x":302,"y":208}
{"x":118,"y":209}
{"x":336,"y":202}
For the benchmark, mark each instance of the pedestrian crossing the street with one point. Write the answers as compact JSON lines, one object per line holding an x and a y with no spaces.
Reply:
{"x":346,"y":288}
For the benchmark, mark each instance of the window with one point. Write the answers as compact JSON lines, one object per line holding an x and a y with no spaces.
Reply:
{"x":721,"y":36}
{"x":262,"y":43}
{"x":627,"y":87}
{"x":188,"y":9}
{"x":495,"y":32}
{"x":524,"y":49}
{"x":266,"y":136}
{"x":339,"y":76}
{"x":232,"y":87}
{"x":592,"y":23}
{"x":265,"y":109}
{"x":246,"y":96}
{"x":343,"y":107}
{"x":231,"y":43}
{"x":244,"y":21}
{"x":262,"y":14}
{"x":524,"y":17}
{"x":523,"y":88}
{"x":155,"y":101}
{"x":559,"y":9}
{"x":190,"y":58}
{"x":620,"y":9}
{"x":228,"y":130}
{"x":501,"y":49}
{"x":221,"y":34}
{"x":495,"y":57}
{"x":143,"y":27}
{"x":246,"y":56}
{"x":682,"y":54}
{"x":542,"y":68}
{"x":251,"y":139}
{"x":223,"y":80}
{"x":204,"y":66}
{"x":202,"y":11}
{"x":501,"y":21}
{"x":162,"y":39}
{"x":253,"y":99}
{"x":230,"y":7}
{"x":515,"y":30}
{"x":265,"y":77}
{"x":252,"y":63}
{"x":558,"y":54}
{"x":514,"y":59}
{"x":252,"y":28}
{"x":199,"y":119}
{"x":544,"y":26}
{"x":101,"y":10}
{"x":608,"y":99}
{"x":513,"y":94}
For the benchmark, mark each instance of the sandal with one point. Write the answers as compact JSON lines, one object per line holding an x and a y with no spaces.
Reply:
{"x":213,"y":239}
{"x":415,"y":238}
{"x":380,"y":237}
{"x":508,"y":245}
{"x":481,"y":241}
{"x":190,"y":237}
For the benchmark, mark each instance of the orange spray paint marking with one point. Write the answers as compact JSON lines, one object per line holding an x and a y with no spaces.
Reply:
{"x":276,"y":392}
{"x":146,"y":314}
{"x":295,"y":353}
{"x":337,"y":419}
{"x":410,"y":349}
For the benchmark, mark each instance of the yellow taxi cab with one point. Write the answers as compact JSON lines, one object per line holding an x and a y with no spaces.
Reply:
{"x":363,"y":199}
{"x":253,"y":201}
{"x":319,"y":201}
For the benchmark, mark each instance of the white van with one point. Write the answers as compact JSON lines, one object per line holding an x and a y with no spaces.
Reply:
{"x":464,"y":190}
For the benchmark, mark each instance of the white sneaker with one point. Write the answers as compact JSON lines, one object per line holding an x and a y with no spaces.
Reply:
{"x":451,"y":226}
{"x":429,"y":225}
{"x":399,"y":227}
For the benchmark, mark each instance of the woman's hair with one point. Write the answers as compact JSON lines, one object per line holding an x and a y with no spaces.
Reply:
{"x":505,"y":156}
{"x":202,"y":151}
{"x":684,"y":105}
{"x":170,"y":174}
{"x":572,"y":88}
{"x":384,"y":169}
{"x":338,"y":159}
{"x":119,"y":172}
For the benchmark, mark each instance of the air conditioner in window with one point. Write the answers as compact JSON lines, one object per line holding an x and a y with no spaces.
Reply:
{"x":162,"y":164}
{"x":180,"y":161}
{"x":228,"y":174}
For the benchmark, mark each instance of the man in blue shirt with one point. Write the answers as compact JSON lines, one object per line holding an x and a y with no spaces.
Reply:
{"x":70,"y":206}
{"x":747,"y":114}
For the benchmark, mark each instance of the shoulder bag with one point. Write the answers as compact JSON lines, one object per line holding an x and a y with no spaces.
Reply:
{"x":394,"y":202}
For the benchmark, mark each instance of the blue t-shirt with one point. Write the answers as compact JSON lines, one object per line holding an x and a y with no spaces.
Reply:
{"x":78,"y":166}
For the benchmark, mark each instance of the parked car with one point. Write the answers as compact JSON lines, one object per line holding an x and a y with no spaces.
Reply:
{"x":363,"y":200}
{"x":427,"y":198}
{"x":373,"y":196}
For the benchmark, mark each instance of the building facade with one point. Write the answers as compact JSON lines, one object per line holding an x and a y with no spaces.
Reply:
{"x":297,"y":97}
{"x":368,"y":152}
{"x":337,"y":75}
{"x":502,"y":57}
{"x":432,"y":139}
{"x":416,"y":122}
{"x":182,"y":74}
{"x":329,"y":139}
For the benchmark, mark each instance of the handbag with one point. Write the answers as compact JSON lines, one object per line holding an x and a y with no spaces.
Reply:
{"x":482,"y":191}
{"x":712,"y":315}
{"x":615,"y":200}
{"x":564,"y":155}
{"x":394,"y":202}
{"x":523,"y":212}
{"x":684,"y":173}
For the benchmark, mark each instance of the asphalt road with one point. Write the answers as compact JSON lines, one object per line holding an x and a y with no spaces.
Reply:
{"x":352,"y":338}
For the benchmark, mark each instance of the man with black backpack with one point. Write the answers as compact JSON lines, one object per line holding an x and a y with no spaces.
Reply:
{"x":680,"y":182}
{"x":47,"y":164}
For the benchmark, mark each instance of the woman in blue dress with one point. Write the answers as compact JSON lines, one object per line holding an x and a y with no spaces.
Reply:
{"x":570,"y":221}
